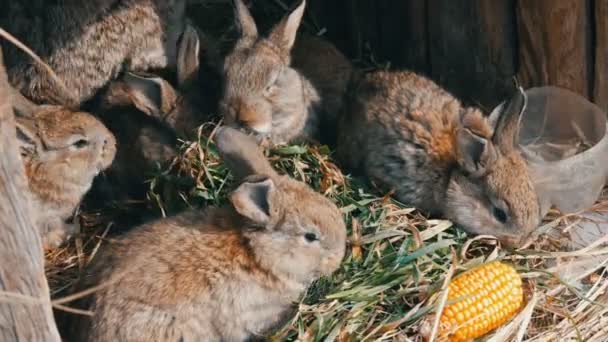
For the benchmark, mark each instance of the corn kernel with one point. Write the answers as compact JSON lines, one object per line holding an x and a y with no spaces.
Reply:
{"x":491,"y":295}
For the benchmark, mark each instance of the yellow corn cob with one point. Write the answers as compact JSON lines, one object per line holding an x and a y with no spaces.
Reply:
{"x":483,"y":299}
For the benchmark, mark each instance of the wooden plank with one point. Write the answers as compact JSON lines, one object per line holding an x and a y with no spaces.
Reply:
{"x":403,"y":34}
{"x":554,"y":44}
{"x":600,"y":89}
{"x":472,"y":48}
{"x":365,"y":24}
{"x":21,"y":260}
{"x":336,"y":17}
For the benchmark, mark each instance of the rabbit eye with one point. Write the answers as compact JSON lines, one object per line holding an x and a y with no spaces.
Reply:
{"x":82,"y":143}
{"x":272,"y":85}
{"x":311,"y":237}
{"x":270,"y":89}
{"x":499,"y":215}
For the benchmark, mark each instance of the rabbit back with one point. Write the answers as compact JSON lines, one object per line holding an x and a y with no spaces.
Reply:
{"x":326,"y":67}
{"x":399,"y":128}
{"x":87,"y":43}
{"x":329,"y":72}
{"x":414,"y":138}
{"x":186,"y":282}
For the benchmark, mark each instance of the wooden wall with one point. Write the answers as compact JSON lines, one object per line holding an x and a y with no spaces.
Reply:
{"x":475,"y":47}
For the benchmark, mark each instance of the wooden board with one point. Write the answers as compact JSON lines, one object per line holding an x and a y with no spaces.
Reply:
{"x":403,"y":34}
{"x":554,"y":44}
{"x":27,"y":315}
{"x":472,"y":48}
{"x":600,"y":89}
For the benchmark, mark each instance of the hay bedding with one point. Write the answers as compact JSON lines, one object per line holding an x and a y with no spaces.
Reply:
{"x":396,"y":261}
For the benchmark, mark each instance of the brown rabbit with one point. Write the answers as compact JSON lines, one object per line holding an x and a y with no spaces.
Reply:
{"x":411,"y":136}
{"x":87,"y":43}
{"x":222,"y":274}
{"x":145,"y":143}
{"x":147,"y":115}
{"x":62,"y":152}
{"x":266,"y":94}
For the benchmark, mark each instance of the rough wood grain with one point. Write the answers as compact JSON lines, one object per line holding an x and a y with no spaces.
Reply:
{"x":336,"y":19}
{"x":554,"y":44}
{"x":403,"y":34}
{"x":21,"y":258}
{"x":600,"y":89}
{"x":472,"y":48}
{"x":365,"y":36}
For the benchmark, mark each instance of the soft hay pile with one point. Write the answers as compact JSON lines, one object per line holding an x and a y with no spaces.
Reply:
{"x":397,"y":260}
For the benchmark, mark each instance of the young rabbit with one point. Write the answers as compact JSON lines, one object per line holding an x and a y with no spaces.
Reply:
{"x":145,"y":142}
{"x":87,"y":43}
{"x":222,"y":274}
{"x":147,"y":115}
{"x":411,"y":136}
{"x":267,"y":95}
{"x":62,"y":152}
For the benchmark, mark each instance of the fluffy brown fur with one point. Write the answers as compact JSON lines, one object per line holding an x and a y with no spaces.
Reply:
{"x":223,"y":274}
{"x":87,"y":43}
{"x":266,"y":94}
{"x":62,"y":151}
{"x":411,"y":136}
{"x":147,"y":115}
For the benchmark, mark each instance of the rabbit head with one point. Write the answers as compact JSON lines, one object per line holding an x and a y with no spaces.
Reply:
{"x":63,"y":151}
{"x":263,"y":94}
{"x":297,"y":226}
{"x":183,"y":108}
{"x":492,"y":192}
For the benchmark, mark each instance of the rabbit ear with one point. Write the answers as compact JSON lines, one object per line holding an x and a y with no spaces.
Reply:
{"x":245,"y":22}
{"x":252,"y":199}
{"x":495,"y":114}
{"x":507,"y":122}
{"x":284,"y":34}
{"x":188,"y":63}
{"x":476,"y":153}
{"x":242,"y":154}
{"x":21,"y":105}
{"x":26,"y":134}
{"x":152,"y":95}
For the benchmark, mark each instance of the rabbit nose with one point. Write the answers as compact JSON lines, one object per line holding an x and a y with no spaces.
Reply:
{"x":511,"y":241}
{"x":254,"y":125}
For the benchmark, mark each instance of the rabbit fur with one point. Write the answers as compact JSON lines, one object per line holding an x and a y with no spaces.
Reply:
{"x":266,"y":94}
{"x":147,"y":115}
{"x":221,"y":274}
{"x":62,"y":151}
{"x":87,"y":43}
{"x":412,"y":137}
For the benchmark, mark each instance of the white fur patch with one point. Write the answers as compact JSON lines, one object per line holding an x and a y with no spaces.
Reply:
{"x":262,"y":128}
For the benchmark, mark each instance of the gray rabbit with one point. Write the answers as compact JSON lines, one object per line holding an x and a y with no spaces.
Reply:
{"x":148,"y":116}
{"x":87,"y":43}
{"x":267,"y":94}
{"x":409,"y":135}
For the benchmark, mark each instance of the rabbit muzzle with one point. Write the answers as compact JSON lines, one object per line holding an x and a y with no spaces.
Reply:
{"x":108,"y":151}
{"x":512,"y":241}
{"x":248,"y":115}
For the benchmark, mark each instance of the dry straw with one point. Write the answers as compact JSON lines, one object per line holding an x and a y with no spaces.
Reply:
{"x":397,"y":259}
